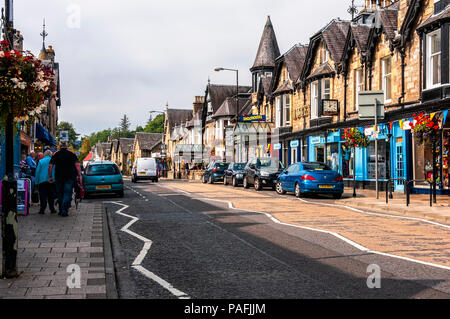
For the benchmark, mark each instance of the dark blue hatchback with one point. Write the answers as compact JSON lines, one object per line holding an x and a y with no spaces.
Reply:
{"x":310,"y":178}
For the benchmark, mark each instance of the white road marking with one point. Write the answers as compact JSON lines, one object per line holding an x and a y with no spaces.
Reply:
{"x":137,"y":263}
{"x":348,"y":241}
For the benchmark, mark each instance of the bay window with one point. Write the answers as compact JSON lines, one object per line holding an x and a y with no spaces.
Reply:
{"x":434,"y":59}
{"x":386,"y":64}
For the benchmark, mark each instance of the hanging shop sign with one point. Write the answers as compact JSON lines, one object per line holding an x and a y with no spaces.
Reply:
{"x":366,"y":101}
{"x":277,"y":146}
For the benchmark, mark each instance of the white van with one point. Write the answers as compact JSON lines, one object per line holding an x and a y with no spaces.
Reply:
{"x":144,"y":168}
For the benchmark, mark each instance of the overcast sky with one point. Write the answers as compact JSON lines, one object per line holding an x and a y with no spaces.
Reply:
{"x":130,"y":57}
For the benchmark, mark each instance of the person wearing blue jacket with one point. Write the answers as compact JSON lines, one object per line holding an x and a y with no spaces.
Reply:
{"x":46,"y":189}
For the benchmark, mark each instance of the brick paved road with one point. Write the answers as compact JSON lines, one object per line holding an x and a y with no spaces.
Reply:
{"x":406,"y":238}
{"x":48,"y":244}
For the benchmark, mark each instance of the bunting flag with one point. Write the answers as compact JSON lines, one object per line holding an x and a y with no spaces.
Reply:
{"x":390,"y":126}
{"x":432,"y":115}
{"x":401,"y":124}
{"x":445,"y":113}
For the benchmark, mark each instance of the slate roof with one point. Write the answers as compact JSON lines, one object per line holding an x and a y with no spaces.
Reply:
{"x":178,"y":116}
{"x":443,"y":15}
{"x":148,"y":141}
{"x":361,"y":35}
{"x":197,"y":119}
{"x":389,"y":20}
{"x":335,"y":35}
{"x":114,"y":145}
{"x":228,"y":107}
{"x":106,"y":148}
{"x":126,"y":145}
{"x":218,"y":93}
{"x":268,"y":49}
{"x":322,"y":70}
{"x":295,"y":60}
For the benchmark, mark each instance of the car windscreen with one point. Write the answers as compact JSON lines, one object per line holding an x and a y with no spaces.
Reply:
{"x":270,"y":163}
{"x":239,"y":167}
{"x":146,"y":164}
{"x":221,"y":166}
{"x":316,"y":166}
{"x":103,"y":169}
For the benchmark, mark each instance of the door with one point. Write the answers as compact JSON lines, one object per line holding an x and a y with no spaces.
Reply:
{"x":399,"y":164}
{"x":291,"y":177}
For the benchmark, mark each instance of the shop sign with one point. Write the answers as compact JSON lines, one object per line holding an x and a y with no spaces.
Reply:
{"x":294,"y":143}
{"x":315,"y":140}
{"x":253,"y":118}
{"x":366,"y":101}
{"x":277,"y":146}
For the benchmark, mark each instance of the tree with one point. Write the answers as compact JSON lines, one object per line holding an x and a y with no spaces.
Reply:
{"x":156,"y":125}
{"x":124,"y":126}
{"x":86,"y":147}
{"x":73,"y":135}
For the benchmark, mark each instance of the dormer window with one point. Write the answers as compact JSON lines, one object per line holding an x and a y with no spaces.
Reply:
{"x":324,"y":55}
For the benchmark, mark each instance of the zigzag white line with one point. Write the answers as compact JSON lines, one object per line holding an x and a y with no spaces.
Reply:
{"x":137,"y":263}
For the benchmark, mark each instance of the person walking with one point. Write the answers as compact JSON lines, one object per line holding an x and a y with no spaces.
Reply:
{"x":46,"y":189}
{"x":30,"y":161}
{"x":67,"y":171}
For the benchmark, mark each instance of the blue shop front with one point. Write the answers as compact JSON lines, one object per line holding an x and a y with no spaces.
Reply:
{"x":393,"y":155}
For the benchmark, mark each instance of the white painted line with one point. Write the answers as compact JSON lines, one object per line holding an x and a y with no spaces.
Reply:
{"x":137,"y":263}
{"x":348,"y":241}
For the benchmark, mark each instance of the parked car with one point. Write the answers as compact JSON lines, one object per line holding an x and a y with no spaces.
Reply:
{"x":234,"y":174}
{"x":144,"y":168}
{"x":262,"y":172}
{"x":214,"y":172}
{"x":310,"y":177}
{"x":102,"y":177}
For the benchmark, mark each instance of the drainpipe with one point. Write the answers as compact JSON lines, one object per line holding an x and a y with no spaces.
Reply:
{"x":345,"y":96}
{"x":420,"y":66}
{"x":401,"y":99}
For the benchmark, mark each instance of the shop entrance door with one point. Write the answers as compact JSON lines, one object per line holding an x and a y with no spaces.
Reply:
{"x":320,"y":154}
{"x":399,"y":158}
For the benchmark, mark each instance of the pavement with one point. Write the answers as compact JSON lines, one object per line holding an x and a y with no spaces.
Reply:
{"x":50,"y":246}
{"x":419,"y":204}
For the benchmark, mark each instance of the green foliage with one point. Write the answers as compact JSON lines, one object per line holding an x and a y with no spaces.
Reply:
{"x":156,"y":125}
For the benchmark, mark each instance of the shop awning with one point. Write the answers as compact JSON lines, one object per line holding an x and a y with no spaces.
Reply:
{"x":43,"y":135}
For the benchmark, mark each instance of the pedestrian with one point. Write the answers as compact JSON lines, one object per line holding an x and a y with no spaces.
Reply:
{"x":67,"y":173}
{"x":30,"y":161}
{"x":46,"y":189}
{"x":39,"y":157}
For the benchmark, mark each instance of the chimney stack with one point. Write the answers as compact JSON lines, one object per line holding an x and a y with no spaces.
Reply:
{"x":198,"y":103}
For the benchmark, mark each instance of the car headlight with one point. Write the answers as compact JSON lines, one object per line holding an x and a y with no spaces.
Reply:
{"x":239,"y":175}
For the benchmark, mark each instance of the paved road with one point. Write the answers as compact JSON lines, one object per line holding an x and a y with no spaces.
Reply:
{"x":171,"y":244}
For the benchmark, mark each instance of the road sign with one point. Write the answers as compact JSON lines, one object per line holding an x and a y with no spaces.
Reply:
{"x":366,"y":101}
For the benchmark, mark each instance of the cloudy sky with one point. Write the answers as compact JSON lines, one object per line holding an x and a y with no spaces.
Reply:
{"x":134,"y":56}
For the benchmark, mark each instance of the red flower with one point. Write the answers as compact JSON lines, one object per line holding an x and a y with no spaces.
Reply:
{"x":436,"y":127}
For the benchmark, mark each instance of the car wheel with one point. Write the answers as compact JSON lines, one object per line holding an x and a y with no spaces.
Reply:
{"x":279,"y":188}
{"x":225,"y":181}
{"x":298,"y":191}
{"x":258,"y":185}
{"x":337,"y":196}
{"x":204,"y":179}
{"x":120,"y":194}
{"x":133,"y":179}
{"x":211,"y":180}
{"x":235,"y":183}
{"x":246,"y":183}
{"x":156,"y":180}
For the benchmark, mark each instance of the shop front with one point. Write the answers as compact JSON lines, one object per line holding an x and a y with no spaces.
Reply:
{"x":329,"y":151}
{"x":424,"y":154}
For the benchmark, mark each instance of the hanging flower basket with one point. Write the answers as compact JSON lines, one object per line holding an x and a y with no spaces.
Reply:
{"x":25,"y":84}
{"x":424,"y":128}
{"x":355,"y":138}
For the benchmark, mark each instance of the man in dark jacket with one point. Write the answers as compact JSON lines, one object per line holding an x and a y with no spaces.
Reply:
{"x":67,"y":171}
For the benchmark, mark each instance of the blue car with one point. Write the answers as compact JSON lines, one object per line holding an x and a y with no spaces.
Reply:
{"x":102,"y":177}
{"x":310,"y":178}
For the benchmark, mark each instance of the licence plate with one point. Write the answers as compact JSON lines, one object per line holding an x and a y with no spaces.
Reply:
{"x":326,"y":186}
{"x":142,"y":173}
{"x":103,"y":187}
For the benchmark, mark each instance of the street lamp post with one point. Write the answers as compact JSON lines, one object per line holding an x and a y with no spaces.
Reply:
{"x":9,"y":183}
{"x":162,"y":137}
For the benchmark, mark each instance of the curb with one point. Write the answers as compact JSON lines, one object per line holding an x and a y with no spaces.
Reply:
{"x":110,"y":274}
{"x":399,"y":212}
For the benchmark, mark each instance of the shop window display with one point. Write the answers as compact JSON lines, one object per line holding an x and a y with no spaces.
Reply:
{"x":381,"y":160}
{"x":347,"y":161}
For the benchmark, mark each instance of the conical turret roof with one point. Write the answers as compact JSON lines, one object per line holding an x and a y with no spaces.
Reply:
{"x":268,"y":49}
